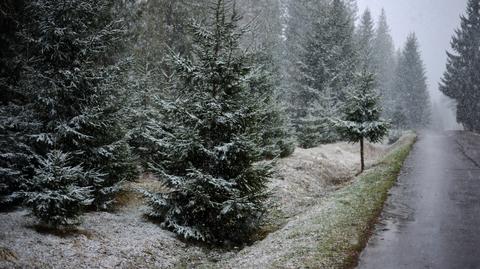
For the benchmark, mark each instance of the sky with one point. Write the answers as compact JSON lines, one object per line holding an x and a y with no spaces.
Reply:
{"x":434,"y":22}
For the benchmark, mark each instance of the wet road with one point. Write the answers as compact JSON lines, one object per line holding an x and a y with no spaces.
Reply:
{"x":432,"y":217}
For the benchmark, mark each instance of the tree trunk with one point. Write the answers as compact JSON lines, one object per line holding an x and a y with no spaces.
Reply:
{"x":362,"y":158}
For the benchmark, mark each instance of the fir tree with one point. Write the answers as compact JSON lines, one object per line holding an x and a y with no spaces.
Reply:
{"x":57,"y":194}
{"x":324,"y":73}
{"x":212,"y":143}
{"x":384,"y":57}
{"x":361,"y":118}
{"x":160,"y":27}
{"x":16,"y":122}
{"x":365,"y":37}
{"x":73,"y":80}
{"x":265,"y":18}
{"x":277,"y":135}
{"x":411,"y":86}
{"x":461,"y":80}
{"x":398,"y":118}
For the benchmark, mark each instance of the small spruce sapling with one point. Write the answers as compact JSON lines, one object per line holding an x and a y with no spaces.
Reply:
{"x":56,"y":195}
{"x":361,"y":119}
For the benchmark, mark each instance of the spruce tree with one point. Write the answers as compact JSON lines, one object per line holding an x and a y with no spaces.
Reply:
{"x":73,"y":80}
{"x":57,"y":192}
{"x":324,"y":74}
{"x":384,"y":57}
{"x":265,"y":20}
{"x":159,"y":27}
{"x":212,"y":143}
{"x":17,"y":158}
{"x":365,"y":37}
{"x":277,"y":134}
{"x":461,"y":80}
{"x":362,"y":111}
{"x":411,"y":86}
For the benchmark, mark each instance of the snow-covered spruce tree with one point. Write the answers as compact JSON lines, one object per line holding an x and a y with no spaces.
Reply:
{"x":384,"y":57}
{"x":325,"y":70}
{"x":361,"y":118}
{"x":265,"y":38}
{"x":158,"y":27}
{"x":212,"y":144}
{"x":398,"y":118}
{"x":297,"y":25}
{"x":365,"y":36}
{"x":57,"y":194}
{"x":16,"y":122}
{"x":411,"y":86}
{"x":461,"y":80}
{"x":277,"y":135}
{"x":73,"y":79}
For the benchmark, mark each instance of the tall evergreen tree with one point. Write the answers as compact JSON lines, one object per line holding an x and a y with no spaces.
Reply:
{"x":72,"y":79}
{"x":324,"y":74}
{"x":461,"y":80}
{"x":159,"y":27}
{"x":212,"y":144}
{"x":353,"y":8}
{"x":265,"y":38}
{"x":16,"y":121}
{"x":297,"y":23}
{"x":384,"y":63}
{"x":411,"y":85}
{"x":365,"y":37}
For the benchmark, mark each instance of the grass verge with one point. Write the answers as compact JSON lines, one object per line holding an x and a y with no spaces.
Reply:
{"x":339,"y":229}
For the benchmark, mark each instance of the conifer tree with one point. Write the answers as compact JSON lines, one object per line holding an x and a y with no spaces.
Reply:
{"x":461,"y":80}
{"x":212,"y":144}
{"x":160,"y":26}
{"x":297,"y":26}
{"x":264,"y":17}
{"x":361,"y":119}
{"x":16,"y":122}
{"x":57,"y":192}
{"x":352,"y":6}
{"x":324,"y":73}
{"x":277,"y":134}
{"x":384,"y":63}
{"x":411,"y":86}
{"x":365,"y":37}
{"x":72,"y":78}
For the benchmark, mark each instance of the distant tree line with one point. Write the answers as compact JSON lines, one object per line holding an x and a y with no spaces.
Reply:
{"x":205,"y":94}
{"x":324,"y":49}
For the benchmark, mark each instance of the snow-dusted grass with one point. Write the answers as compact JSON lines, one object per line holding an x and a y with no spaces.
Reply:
{"x":331,"y":233}
{"x":318,"y":218}
{"x":343,"y":225}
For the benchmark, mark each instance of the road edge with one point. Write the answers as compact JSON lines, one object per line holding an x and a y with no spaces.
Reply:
{"x":351,"y":213}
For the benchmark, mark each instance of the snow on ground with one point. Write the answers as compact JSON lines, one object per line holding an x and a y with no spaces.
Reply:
{"x":300,"y":234}
{"x":124,"y":239}
{"x":311,"y":173}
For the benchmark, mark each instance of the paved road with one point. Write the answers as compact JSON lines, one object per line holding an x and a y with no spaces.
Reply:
{"x":432,"y":217}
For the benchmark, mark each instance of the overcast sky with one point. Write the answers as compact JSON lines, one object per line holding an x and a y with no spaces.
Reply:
{"x":434,"y":22}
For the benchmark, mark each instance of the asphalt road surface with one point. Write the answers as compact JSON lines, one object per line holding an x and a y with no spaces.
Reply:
{"x":432,"y":216}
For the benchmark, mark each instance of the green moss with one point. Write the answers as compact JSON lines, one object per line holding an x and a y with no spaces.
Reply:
{"x":341,"y":228}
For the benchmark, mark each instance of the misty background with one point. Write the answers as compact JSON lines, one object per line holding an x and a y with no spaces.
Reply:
{"x":434,"y":22}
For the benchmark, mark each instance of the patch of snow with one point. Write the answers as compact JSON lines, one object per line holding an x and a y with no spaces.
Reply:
{"x":124,"y":239}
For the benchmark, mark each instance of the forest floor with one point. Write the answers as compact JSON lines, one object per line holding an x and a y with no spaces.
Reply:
{"x":308,"y":190}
